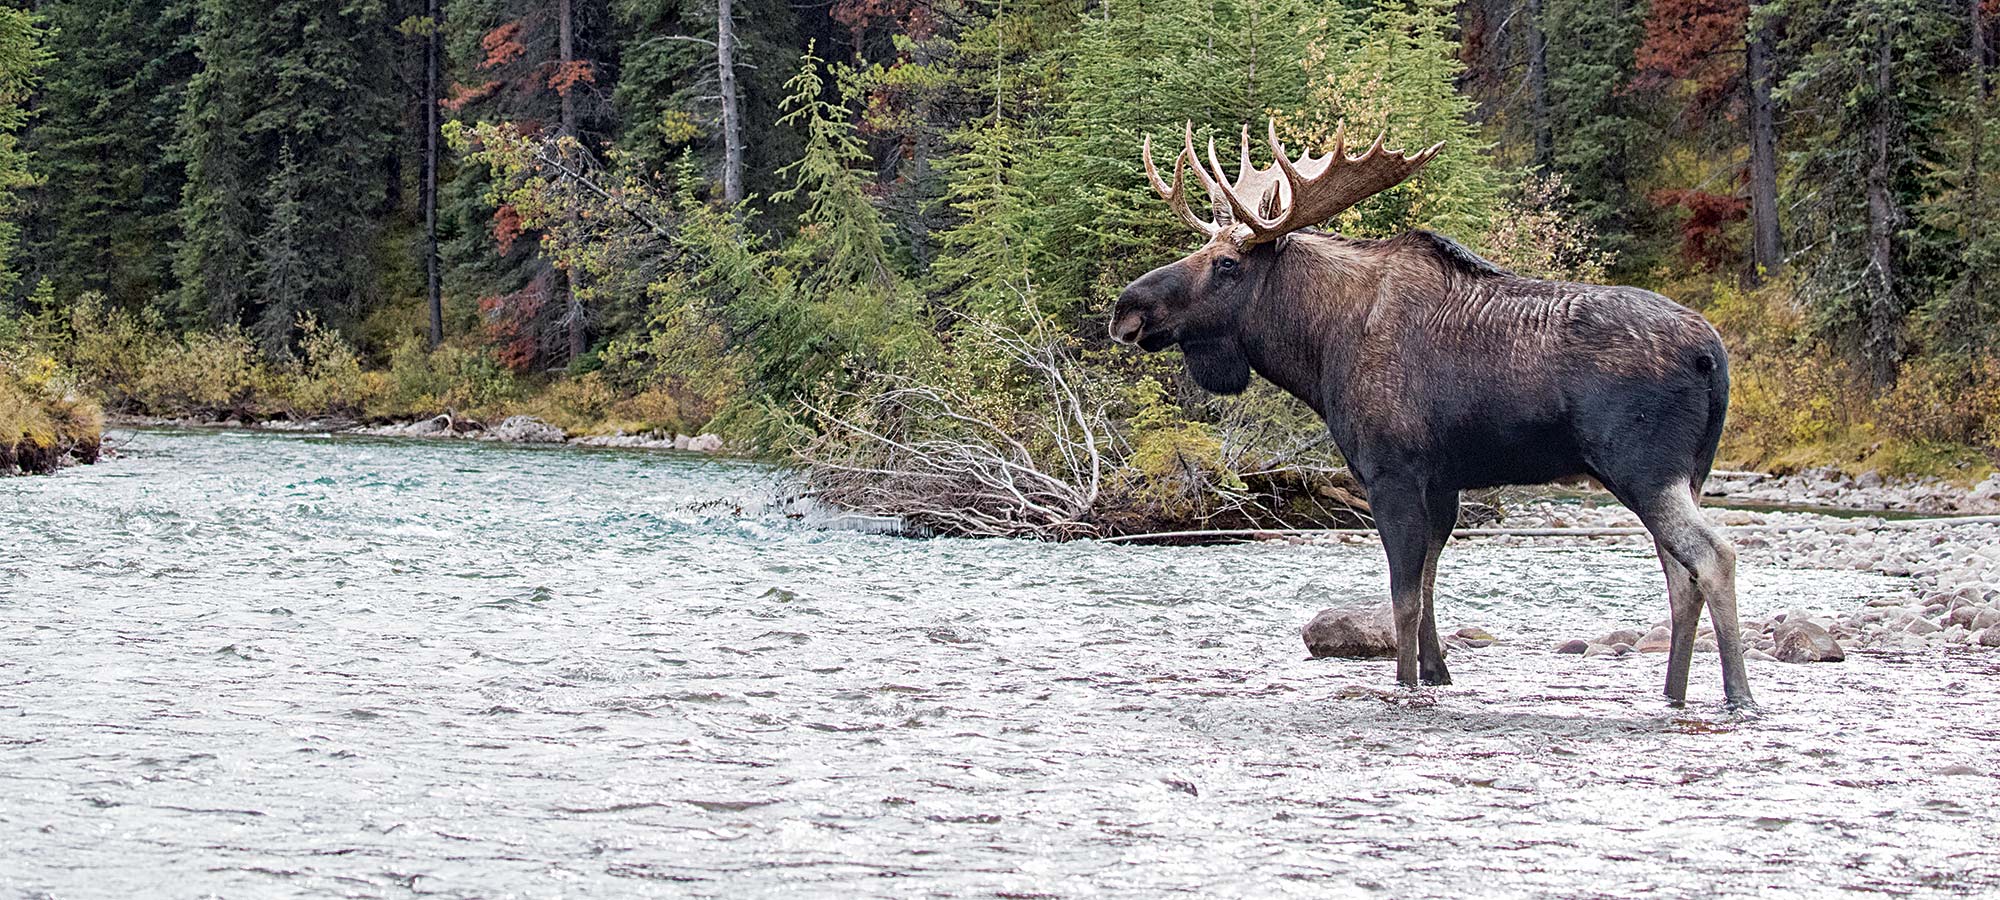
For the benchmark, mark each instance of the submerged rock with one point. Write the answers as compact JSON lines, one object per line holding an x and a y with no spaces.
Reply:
{"x":1352,"y":633}
{"x":1800,"y":640}
{"x":1576,"y":646}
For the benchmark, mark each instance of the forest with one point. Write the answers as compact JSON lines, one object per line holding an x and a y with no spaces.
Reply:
{"x":880,"y":238}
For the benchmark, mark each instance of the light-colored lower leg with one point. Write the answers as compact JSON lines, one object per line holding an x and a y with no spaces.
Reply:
{"x":1684,"y":603}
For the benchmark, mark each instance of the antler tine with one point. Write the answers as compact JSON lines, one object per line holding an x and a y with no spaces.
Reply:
{"x":1257,"y":224}
{"x":1216,"y":193}
{"x":1176,"y":196}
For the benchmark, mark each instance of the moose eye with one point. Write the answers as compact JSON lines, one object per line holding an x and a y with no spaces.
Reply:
{"x":1225,"y":265}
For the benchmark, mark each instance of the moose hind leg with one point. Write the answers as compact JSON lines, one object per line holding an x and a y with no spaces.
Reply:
{"x":1677,"y":525}
{"x":1685,"y":604}
{"x":1442,"y":516}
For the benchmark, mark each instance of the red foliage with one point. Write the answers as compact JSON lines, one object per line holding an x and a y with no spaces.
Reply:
{"x":1698,"y":40}
{"x":515,"y":323}
{"x":502,"y":45}
{"x":564,"y":77}
{"x":463,"y":95}
{"x":909,"y":17}
{"x":1702,"y":241}
{"x":506,"y":227}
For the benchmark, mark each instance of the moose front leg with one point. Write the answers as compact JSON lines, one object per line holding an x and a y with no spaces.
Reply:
{"x":1403,"y":521}
{"x":1443,"y":517}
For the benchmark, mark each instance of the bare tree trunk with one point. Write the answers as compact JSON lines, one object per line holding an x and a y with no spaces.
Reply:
{"x":1538,"y":88}
{"x":1767,"y":254}
{"x":1881,"y":325}
{"x":433,"y":50}
{"x":566,"y":46}
{"x":732,"y":109}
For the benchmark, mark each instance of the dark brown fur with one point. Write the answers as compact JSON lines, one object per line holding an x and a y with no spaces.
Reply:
{"x":1437,"y":371}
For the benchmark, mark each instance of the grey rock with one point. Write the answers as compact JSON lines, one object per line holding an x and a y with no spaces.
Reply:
{"x":1576,"y":646}
{"x":1990,"y":637}
{"x":1798,"y":640}
{"x":527,"y":430}
{"x":1622,"y":636}
{"x":706,"y":443}
{"x":1352,"y":633}
{"x":1659,"y":640}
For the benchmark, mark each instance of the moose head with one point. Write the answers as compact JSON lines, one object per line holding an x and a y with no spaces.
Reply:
{"x":1197,"y":302}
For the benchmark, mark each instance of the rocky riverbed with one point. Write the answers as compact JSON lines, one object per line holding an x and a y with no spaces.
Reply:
{"x":1952,"y":567}
{"x":511,"y":430}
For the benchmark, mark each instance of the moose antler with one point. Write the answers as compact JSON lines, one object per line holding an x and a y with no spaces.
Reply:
{"x":1260,"y":205}
{"x":1176,"y":196}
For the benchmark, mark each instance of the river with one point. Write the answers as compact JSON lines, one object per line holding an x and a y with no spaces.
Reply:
{"x":243,"y":664}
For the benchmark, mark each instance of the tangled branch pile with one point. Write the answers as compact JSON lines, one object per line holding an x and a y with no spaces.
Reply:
{"x":947,"y":462}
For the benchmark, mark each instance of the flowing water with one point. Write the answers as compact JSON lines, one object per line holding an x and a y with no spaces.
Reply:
{"x":241,"y":665}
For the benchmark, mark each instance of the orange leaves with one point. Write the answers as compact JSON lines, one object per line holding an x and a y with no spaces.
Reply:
{"x":1702,"y":240}
{"x":1691,"y":40}
{"x":564,"y":76}
{"x":507,"y":227}
{"x":502,"y":45}
{"x":463,"y":95}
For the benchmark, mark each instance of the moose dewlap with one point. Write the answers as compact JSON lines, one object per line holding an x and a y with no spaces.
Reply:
{"x":1437,"y":371}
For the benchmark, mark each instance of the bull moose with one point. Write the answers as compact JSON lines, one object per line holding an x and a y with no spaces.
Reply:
{"x":1437,"y":371}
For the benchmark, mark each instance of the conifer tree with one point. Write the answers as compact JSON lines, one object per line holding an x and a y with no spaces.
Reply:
{"x":1865,"y":144}
{"x":106,"y":214}
{"x":293,"y":100}
{"x":22,"y":56}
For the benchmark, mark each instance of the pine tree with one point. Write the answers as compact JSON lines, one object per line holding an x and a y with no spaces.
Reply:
{"x":23,"y":54}
{"x":107,"y":212}
{"x":1598,"y":136}
{"x":292,"y":101}
{"x":1865,"y":144}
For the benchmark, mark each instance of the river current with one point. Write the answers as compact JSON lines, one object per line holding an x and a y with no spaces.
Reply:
{"x":254,"y":665}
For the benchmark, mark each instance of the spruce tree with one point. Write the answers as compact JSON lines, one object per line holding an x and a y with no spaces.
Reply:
{"x":106,"y":214}
{"x":293,"y":102}
{"x":22,"y":56}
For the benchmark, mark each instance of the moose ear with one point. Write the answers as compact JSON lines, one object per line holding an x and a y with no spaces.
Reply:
{"x":1219,"y":366}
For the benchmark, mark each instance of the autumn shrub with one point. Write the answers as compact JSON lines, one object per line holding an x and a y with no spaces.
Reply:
{"x":424,"y":382}
{"x":328,"y":379}
{"x":206,"y":375}
{"x":43,"y":417}
{"x":1953,"y":399}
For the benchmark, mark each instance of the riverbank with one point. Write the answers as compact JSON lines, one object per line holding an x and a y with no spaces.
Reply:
{"x":44,"y":425}
{"x":518,"y":429}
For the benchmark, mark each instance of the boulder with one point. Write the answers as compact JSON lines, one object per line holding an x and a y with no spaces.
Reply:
{"x":1623,"y":636}
{"x":1352,"y":633}
{"x":706,"y":443}
{"x":527,"y":430}
{"x":1659,"y":640}
{"x":1576,"y":646}
{"x":1990,"y":637}
{"x":1799,"y":640}
{"x":1475,"y":637}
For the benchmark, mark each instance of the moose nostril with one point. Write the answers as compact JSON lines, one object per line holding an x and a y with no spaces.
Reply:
{"x":1125,"y":329}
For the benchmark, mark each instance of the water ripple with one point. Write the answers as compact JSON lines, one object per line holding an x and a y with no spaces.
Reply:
{"x":245,"y":664}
